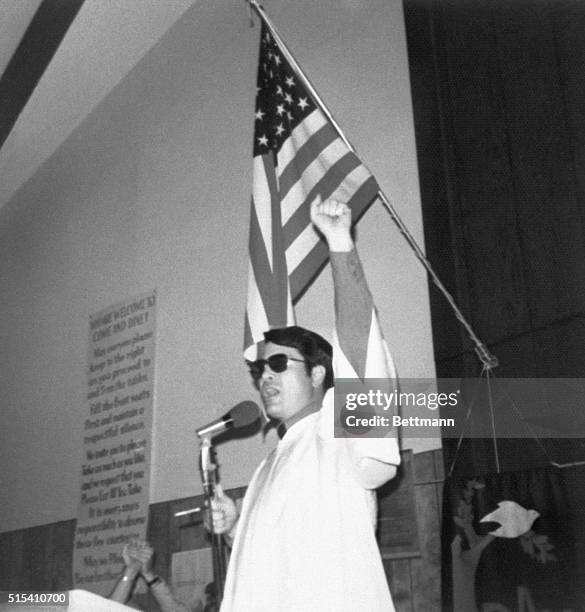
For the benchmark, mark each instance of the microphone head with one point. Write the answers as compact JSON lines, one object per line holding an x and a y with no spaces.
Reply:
{"x":244,"y":413}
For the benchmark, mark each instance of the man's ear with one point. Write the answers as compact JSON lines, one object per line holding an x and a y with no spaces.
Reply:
{"x":318,"y":375}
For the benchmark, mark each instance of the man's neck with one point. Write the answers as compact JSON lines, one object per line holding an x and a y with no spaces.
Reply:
{"x":310,"y":408}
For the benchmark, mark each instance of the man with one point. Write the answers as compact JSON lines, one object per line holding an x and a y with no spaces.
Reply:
{"x":305,"y":540}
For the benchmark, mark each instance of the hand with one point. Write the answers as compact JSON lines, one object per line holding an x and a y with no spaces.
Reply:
{"x":333,"y":220}
{"x":132,"y":564}
{"x":140,"y":554}
{"x":224,"y":513}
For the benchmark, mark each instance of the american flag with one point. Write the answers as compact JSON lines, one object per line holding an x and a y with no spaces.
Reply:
{"x":298,"y":155}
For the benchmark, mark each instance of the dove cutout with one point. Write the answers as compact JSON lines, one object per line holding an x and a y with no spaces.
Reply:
{"x":513,"y":518}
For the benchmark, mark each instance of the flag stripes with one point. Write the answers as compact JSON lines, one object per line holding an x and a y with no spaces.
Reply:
{"x":267,"y":257}
{"x":306,"y":178}
{"x":309,"y":127}
{"x":309,"y":152}
{"x":263,"y":196}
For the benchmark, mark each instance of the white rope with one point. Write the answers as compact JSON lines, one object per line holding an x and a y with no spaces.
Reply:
{"x":530,"y":429}
{"x":493,"y":419}
{"x":465,"y":423}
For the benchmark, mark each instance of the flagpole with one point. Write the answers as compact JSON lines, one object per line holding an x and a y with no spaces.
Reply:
{"x":488,"y":360}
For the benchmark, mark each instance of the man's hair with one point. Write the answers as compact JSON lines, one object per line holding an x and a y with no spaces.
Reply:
{"x":313,"y":347}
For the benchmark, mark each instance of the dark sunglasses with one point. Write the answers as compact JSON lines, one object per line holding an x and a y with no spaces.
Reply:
{"x":277,"y":363}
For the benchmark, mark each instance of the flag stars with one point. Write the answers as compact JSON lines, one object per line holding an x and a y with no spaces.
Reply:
{"x":281,"y":103}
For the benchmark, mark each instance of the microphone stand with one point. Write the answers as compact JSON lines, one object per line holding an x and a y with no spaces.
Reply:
{"x":210,"y":478}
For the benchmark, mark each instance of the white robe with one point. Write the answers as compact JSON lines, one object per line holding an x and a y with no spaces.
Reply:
{"x":305,"y":540}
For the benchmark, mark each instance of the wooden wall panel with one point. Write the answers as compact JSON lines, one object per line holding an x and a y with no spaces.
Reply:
{"x":400,"y":581}
{"x":398,"y":530}
{"x":38,"y":548}
{"x":59,"y":560}
{"x":425,"y":570}
{"x":158,"y":535}
{"x":14,"y":562}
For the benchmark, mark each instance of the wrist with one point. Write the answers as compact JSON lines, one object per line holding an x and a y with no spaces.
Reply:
{"x":340,"y":244}
{"x":153,"y":580}
{"x":129,"y":574}
{"x":148,"y":576}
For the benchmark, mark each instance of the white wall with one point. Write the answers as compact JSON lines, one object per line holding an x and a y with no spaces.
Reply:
{"x":152,"y":190}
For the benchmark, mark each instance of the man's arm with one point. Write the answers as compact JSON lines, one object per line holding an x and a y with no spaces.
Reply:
{"x":354,"y":306}
{"x":355,"y":324}
{"x":125,"y":585}
{"x":160,"y":590}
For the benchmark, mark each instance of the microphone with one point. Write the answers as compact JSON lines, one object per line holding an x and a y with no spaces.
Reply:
{"x":244,"y":413}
